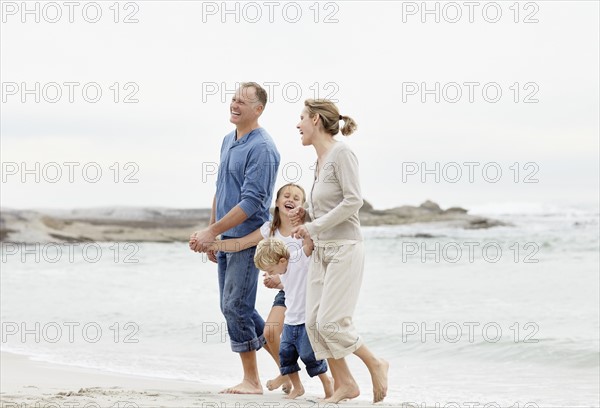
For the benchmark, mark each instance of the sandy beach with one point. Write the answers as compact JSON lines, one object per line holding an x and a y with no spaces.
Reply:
{"x":26,"y":383}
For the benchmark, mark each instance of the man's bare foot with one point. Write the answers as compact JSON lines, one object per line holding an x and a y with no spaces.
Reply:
{"x":295,"y":392}
{"x":380,"y":380}
{"x":245,"y":387}
{"x":282,"y":381}
{"x":344,"y":392}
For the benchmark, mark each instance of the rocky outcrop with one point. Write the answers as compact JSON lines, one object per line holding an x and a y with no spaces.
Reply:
{"x":426,"y":212}
{"x":176,"y":225}
{"x":102,"y":225}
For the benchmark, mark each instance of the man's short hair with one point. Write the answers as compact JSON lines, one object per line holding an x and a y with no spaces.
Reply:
{"x":261,"y":94}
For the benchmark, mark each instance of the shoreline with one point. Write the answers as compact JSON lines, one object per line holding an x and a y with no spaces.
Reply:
{"x":28,"y":383}
{"x":146,"y":224}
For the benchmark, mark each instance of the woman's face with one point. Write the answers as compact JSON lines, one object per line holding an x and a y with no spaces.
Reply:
{"x":307,"y":127}
{"x":289,"y":199}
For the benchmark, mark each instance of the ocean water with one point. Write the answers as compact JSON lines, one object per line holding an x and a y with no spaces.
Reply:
{"x":507,"y":315}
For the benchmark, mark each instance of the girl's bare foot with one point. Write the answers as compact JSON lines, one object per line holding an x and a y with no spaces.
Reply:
{"x":295,"y":392}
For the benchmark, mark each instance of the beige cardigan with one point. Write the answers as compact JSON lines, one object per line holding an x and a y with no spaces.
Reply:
{"x":335,"y":198}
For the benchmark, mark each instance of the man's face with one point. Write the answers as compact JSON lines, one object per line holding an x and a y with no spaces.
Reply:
{"x":245,"y":107}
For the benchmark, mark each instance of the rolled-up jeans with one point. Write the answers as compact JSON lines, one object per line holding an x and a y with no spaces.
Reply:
{"x":238,"y":282}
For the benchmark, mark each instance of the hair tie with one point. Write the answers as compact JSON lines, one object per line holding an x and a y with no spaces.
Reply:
{"x":341,"y":117}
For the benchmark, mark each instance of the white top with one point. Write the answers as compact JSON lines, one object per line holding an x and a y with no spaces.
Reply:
{"x":294,"y":279}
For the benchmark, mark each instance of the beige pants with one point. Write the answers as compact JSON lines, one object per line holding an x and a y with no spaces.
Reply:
{"x":333,"y":285}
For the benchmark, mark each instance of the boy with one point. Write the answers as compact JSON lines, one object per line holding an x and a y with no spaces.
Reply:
{"x":273,"y":257}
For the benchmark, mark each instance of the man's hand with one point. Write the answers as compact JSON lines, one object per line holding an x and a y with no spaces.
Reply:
{"x":296,"y":216}
{"x":192,"y":240}
{"x":200,"y":240}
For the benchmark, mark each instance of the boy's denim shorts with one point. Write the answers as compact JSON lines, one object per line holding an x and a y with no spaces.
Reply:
{"x":294,"y":344}
{"x":279,"y":299}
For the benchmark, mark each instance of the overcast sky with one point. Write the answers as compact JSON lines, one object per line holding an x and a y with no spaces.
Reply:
{"x":180,"y":61}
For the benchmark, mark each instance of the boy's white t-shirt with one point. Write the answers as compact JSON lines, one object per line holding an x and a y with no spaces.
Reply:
{"x":294,"y":284}
{"x":294,"y":279}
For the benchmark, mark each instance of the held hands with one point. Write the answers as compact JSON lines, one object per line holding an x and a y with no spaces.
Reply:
{"x":200,"y":240}
{"x":296,"y":216}
{"x":203,"y":241}
{"x":271,"y":281}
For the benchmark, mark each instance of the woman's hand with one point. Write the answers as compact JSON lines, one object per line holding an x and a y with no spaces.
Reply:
{"x":296,"y":216}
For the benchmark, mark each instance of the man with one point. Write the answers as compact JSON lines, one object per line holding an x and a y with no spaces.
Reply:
{"x":245,"y":182}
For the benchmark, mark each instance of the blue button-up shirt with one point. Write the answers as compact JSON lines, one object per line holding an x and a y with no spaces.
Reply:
{"x":246,"y":177}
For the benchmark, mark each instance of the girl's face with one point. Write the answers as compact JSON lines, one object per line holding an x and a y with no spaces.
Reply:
{"x":307,"y":127}
{"x":289,"y":199}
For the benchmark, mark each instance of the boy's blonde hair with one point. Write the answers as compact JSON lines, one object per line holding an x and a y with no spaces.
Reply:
{"x":269,"y":251}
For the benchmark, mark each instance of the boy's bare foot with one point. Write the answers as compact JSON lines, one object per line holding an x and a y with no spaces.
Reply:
{"x":282,"y":381}
{"x":295,"y":392}
{"x":245,"y":387}
{"x":327,"y":386}
{"x":380,"y":380}
{"x":344,"y":392}
{"x":286,"y":388}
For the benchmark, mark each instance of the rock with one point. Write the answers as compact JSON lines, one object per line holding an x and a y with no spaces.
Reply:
{"x":455,"y":210}
{"x":431,"y":206}
{"x":480,"y":223}
{"x":424,"y":235}
{"x":4,"y":232}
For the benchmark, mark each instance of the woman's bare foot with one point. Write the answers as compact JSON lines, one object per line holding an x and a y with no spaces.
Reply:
{"x":344,"y":392}
{"x":282,"y":381}
{"x":245,"y":387}
{"x":380,"y":380}
{"x":295,"y":392}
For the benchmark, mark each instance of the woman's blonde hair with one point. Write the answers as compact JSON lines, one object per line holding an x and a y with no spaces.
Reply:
{"x":269,"y":252}
{"x":330,"y":116}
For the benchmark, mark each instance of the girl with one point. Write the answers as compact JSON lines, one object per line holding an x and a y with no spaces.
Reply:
{"x":288,"y":197}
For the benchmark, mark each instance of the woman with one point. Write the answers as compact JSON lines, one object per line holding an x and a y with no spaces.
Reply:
{"x":335,"y":275}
